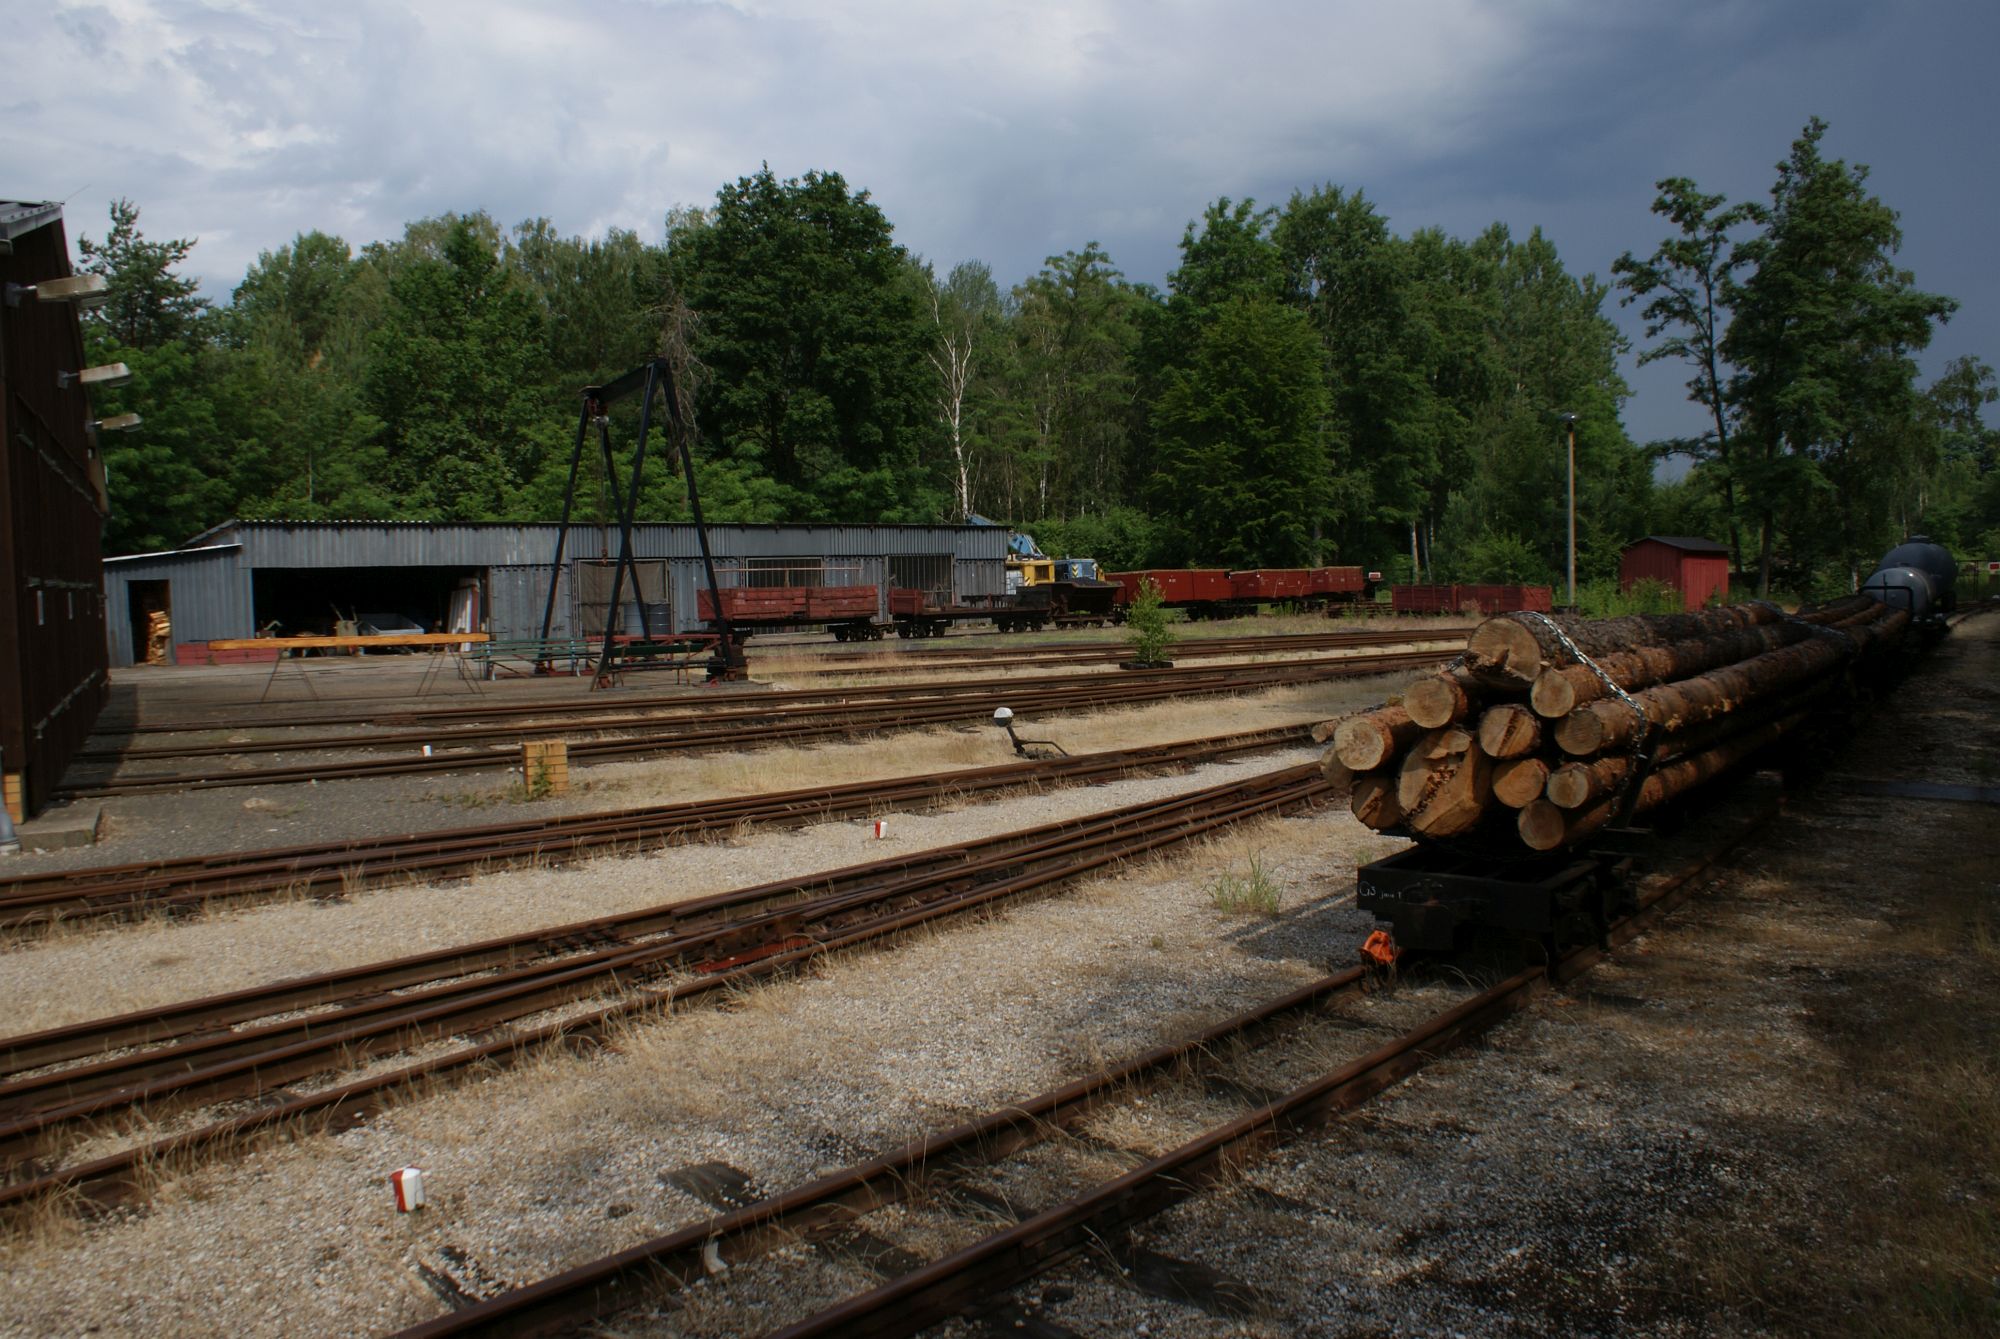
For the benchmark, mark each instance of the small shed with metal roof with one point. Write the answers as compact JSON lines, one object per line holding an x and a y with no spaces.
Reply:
{"x":1697,"y":568}
{"x":246,"y":577}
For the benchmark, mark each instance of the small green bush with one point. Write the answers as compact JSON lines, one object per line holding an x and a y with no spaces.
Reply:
{"x":1603,"y":599}
{"x":1147,"y":620}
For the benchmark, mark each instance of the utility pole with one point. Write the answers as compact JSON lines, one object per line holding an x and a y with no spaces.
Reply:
{"x":1569,"y":421}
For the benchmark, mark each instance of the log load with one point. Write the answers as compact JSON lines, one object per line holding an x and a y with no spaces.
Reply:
{"x":1521,"y":744}
{"x":1441,"y":700}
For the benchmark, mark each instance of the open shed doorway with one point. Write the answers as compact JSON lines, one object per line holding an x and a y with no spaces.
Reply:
{"x":290,"y":601}
{"x":149,"y":608}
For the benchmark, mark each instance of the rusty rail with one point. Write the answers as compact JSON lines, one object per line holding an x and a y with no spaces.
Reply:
{"x":187,"y":883}
{"x":773,"y":718}
{"x":947,"y":1287}
{"x":722,"y":954}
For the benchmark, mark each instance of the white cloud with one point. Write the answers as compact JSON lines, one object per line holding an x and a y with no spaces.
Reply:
{"x":1002,"y":131}
{"x":245,"y":122}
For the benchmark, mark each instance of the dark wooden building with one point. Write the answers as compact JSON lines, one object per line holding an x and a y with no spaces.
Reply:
{"x":53,"y":677}
{"x":1697,"y":568}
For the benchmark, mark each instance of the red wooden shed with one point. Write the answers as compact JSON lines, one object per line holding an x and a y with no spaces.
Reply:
{"x":1697,"y":568}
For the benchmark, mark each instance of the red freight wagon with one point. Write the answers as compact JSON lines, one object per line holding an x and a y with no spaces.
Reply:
{"x":1178,"y":586}
{"x":1271,"y":583}
{"x":1423,"y":599}
{"x":1338,"y":581}
{"x":840,"y":602}
{"x":804,"y":604}
{"x":1492,"y":600}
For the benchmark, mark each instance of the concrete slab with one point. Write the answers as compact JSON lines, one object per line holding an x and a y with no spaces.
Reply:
{"x":59,"y":829}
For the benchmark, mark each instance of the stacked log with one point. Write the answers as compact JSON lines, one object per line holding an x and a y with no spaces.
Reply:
{"x":1548,"y":729}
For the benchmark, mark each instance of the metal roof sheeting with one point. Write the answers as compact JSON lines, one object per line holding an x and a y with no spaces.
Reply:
{"x":501,"y":544}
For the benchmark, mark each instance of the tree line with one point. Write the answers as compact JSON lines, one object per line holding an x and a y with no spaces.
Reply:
{"x":1309,"y":387}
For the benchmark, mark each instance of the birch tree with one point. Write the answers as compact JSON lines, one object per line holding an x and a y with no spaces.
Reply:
{"x":965,"y":306}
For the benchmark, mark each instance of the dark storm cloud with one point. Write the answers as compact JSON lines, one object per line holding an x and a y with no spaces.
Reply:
{"x":1005,"y":132}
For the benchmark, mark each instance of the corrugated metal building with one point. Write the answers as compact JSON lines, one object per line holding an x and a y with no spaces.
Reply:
{"x":1697,"y":568}
{"x":243,"y":576}
{"x":52,"y":648}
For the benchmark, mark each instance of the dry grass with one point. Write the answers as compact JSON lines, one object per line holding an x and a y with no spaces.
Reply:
{"x":1251,"y":893}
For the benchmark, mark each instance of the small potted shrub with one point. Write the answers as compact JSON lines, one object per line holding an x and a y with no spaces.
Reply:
{"x":1146,"y":621}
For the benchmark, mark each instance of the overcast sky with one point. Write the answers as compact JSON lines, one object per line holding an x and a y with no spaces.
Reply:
{"x":1006,"y":132}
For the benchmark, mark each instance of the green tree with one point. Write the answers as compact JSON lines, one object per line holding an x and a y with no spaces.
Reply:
{"x":148,"y":305}
{"x":815,"y":338}
{"x":1388,"y":429}
{"x":451,"y":375}
{"x":1073,"y":385}
{"x":966,"y":316}
{"x":1824,"y":329}
{"x":1237,"y":435}
{"x":289,"y":393}
{"x":169,"y":479}
{"x":1553,"y":352}
{"x":1959,"y":398}
{"x":599,"y":301}
{"x":1685,"y":283}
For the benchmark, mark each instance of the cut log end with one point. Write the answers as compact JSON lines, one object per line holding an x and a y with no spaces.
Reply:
{"x":1374,"y":802}
{"x":1445,"y":783}
{"x":1520,"y":781}
{"x":1542,"y":826}
{"x":1437,"y":701}
{"x":1553,"y":696}
{"x":1509,"y":731}
{"x":1502,"y":650}
{"x":1581,"y":733}
{"x":1368,"y":741}
{"x":1569,"y":786}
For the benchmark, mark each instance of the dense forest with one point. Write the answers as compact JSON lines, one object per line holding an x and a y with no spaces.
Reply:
{"x":1310,"y":387}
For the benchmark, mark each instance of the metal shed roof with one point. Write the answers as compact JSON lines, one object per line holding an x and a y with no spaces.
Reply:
{"x":18,"y":217}
{"x":1685,"y":543}
{"x":502,"y":543}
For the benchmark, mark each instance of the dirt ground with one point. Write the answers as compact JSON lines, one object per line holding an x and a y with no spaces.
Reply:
{"x":1777,"y":1114}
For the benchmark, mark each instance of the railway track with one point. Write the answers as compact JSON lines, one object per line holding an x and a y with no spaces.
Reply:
{"x":226,"y":1067}
{"x":402,"y":713}
{"x":963,"y":1283}
{"x":792,"y":717}
{"x":190,"y":883}
{"x":856,"y":664}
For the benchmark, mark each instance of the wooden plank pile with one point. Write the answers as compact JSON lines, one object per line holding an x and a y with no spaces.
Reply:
{"x":1549,"y":728}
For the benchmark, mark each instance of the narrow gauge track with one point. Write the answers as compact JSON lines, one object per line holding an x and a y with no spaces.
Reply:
{"x":1107,"y":653}
{"x":773,"y":718}
{"x":402,"y":713}
{"x":646,"y":960}
{"x":188,"y":883}
{"x":958,"y":1283}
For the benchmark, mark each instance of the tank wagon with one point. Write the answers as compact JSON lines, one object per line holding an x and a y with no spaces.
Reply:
{"x":1918,"y":577}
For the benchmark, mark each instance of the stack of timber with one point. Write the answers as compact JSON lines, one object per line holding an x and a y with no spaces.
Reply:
{"x":1547,"y":729}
